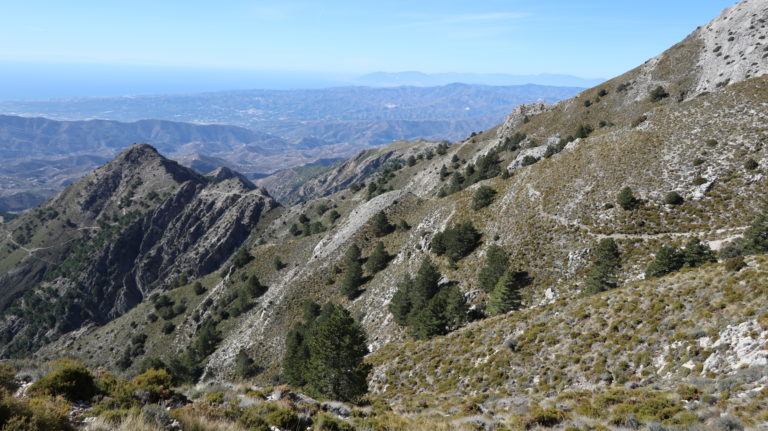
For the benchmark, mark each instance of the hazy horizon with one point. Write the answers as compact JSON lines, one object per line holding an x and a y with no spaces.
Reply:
{"x":84,"y":48}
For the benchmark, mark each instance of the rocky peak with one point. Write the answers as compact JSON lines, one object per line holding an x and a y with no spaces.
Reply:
{"x":734,"y":46}
{"x":224,"y":173}
{"x":520,"y":115}
{"x":137,"y":154}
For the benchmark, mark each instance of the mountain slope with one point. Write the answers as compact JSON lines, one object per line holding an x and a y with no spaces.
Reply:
{"x":133,"y":226}
{"x":684,"y":349}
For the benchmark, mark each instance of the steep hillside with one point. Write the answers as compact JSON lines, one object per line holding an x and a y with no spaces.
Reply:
{"x":139,"y":223}
{"x":559,"y":201}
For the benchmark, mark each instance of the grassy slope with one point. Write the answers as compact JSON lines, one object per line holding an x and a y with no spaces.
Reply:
{"x":661,"y":334}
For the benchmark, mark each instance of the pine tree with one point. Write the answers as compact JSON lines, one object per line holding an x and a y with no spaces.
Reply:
{"x":378,"y":259}
{"x":668,"y":259}
{"x":457,"y":241}
{"x":428,"y":321}
{"x":244,"y":365}
{"x":506,"y":296}
{"x":756,"y":236}
{"x":381,"y":225}
{"x":696,"y":254}
{"x":400,"y":305}
{"x":353,"y":254}
{"x":496,"y":263}
{"x":242,"y":257}
{"x":311,"y":310}
{"x":454,"y":307}
{"x":457,"y":183}
{"x":425,"y":285}
{"x":443,"y":173}
{"x":483,"y":197}
{"x":353,"y":279}
{"x":207,"y":339}
{"x":296,"y":356}
{"x":603,"y":274}
{"x":337,"y":350}
{"x":254,"y":286}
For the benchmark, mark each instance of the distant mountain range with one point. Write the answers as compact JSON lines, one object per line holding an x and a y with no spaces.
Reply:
{"x":392,"y":79}
{"x":40,"y":81}
{"x":256,"y":132}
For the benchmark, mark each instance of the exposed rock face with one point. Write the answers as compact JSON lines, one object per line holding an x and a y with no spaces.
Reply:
{"x":357,"y":169}
{"x":191,"y":233}
{"x":734,"y":47}
{"x":133,"y":226}
{"x":520,"y":115}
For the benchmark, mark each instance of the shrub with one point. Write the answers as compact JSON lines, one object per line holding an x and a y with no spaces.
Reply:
{"x":639,"y":120}
{"x":168,"y":327}
{"x":326,"y":422}
{"x":158,"y":382}
{"x":198,"y":288}
{"x":673,"y":198}
{"x":735,"y":264}
{"x":711,"y":142}
{"x":658,"y":94}
{"x":252,"y":420}
{"x":39,"y":413}
{"x":751,"y":164}
{"x":284,"y":419}
{"x":626,"y":199}
{"x":728,"y":423}
{"x":483,"y":197}
{"x":545,"y":418}
{"x":69,"y":379}
{"x":242,"y":258}
{"x":529,"y":160}
{"x":699,"y":181}
{"x":8,"y":378}
{"x":583,"y":131}
{"x":278,"y":263}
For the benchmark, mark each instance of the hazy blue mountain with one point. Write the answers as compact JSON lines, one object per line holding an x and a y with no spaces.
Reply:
{"x":263,"y":108}
{"x":413,"y":78}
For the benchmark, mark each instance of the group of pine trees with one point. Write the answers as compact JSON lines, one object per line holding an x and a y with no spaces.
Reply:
{"x":425,"y":307}
{"x":353,"y":277}
{"x":325,"y":354}
{"x":456,"y":241}
{"x":486,"y":167}
{"x":670,"y":258}
{"x":502,"y":284}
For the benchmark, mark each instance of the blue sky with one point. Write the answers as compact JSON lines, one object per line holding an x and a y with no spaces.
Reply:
{"x":584,"y":38}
